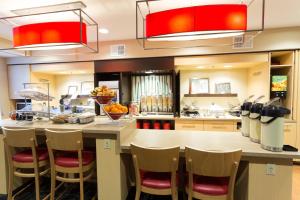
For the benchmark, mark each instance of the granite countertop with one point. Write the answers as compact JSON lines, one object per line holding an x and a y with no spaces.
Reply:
{"x":201,"y":140}
{"x":100,"y":125}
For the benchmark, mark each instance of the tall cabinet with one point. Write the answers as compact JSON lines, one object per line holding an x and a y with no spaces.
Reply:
{"x":284,"y":63}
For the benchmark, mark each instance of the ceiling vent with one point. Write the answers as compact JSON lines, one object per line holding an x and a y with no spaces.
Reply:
{"x":243,"y":42}
{"x":117,"y":50}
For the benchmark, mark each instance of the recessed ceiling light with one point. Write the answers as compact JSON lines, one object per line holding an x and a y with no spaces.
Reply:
{"x":103,"y":30}
{"x":148,"y":72}
{"x":227,"y":66}
{"x":200,"y":67}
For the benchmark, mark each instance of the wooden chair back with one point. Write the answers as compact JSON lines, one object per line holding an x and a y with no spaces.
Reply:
{"x":156,"y":160}
{"x":64,"y":140}
{"x":212,"y":163}
{"x":19,"y":138}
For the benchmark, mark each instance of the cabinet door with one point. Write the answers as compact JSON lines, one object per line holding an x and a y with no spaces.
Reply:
{"x":192,"y":125}
{"x":17,"y":75}
{"x":223,"y":126}
{"x":290,"y":134}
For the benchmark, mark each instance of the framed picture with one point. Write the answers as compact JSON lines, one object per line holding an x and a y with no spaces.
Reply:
{"x":199,"y":86}
{"x":223,"y":88}
{"x":87,"y":87}
{"x":72,"y":90}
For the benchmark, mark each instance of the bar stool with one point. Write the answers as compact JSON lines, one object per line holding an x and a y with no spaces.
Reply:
{"x":155,"y":171}
{"x":68,"y":157}
{"x":32,"y":157}
{"x":211,"y":174}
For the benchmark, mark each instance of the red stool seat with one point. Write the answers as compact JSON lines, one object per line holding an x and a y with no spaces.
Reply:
{"x":156,"y":180}
{"x":26,"y":156}
{"x":211,"y":185}
{"x":70,"y":159}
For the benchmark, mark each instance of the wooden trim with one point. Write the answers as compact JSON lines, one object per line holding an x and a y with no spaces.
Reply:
{"x":211,"y":95}
{"x":135,"y":64}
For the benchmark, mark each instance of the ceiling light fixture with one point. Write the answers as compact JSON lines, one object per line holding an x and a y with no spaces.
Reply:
{"x":103,"y":30}
{"x":197,"y":22}
{"x":50,"y":35}
{"x":60,"y":26}
{"x":148,"y":72}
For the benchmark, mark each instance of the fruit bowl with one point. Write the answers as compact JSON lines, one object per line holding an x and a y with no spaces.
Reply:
{"x":103,"y":99}
{"x":115,"y":116}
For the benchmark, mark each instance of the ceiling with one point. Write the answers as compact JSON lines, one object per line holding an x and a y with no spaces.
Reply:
{"x":118,"y":16}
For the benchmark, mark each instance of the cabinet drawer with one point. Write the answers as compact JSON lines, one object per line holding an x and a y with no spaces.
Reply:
{"x":290,"y":134}
{"x":224,"y":126}
{"x":189,"y":125}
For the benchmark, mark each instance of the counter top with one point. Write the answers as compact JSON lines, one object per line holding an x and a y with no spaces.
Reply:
{"x":155,"y":117}
{"x":99,"y":126}
{"x":201,"y":140}
{"x":210,"y":118}
{"x":171,"y":117}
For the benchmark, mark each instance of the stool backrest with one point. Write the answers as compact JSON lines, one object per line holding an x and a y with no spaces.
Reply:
{"x":64,"y":140}
{"x":19,"y":138}
{"x":212,"y":163}
{"x":155,"y":160}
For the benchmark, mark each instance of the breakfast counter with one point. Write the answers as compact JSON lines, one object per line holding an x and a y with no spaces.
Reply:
{"x":108,"y":136}
{"x":114,"y":164}
{"x":254,"y":181}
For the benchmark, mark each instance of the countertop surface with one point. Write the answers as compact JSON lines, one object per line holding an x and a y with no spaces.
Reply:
{"x":100,"y":125}
{"x":201,"y":140}
{"x":171,"y":117}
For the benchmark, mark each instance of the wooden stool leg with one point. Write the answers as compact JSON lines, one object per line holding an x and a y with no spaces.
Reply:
{"x":53,"y":180}
{"x":10,"y":182}
{"x":174,"y":195}
{"x":137,"y":193}
{"x":81,"y":186}
{"x":37,"y":187}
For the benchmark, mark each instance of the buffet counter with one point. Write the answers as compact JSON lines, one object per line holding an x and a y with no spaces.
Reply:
{"x":107,"y":135}
{"x":114,"y":164}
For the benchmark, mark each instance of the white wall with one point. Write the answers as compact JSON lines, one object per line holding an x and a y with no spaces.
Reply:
{"x":4,"y":99}
{"x":63,"y":82}
{"x":237,"y":78}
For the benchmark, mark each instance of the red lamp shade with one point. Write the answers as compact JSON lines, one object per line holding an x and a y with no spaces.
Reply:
{"x":208,"y":19}
{"x":49,"y":34}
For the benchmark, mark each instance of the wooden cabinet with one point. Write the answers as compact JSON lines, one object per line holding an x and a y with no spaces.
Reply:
{"x":17,"y":75}
{"x":290,"y":134}
{"x":224,"y":126}
{"x":191,"y":125}
{"x":206,"y":125}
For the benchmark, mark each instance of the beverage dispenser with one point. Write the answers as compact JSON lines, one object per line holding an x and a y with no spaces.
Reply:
{"x":272,"y":127}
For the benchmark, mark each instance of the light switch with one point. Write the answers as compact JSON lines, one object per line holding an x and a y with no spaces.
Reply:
{"x":107,"y":144}
{"x":271,"y":169}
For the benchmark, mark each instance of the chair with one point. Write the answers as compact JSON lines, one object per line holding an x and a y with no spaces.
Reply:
{"x":155,"y":171}
{"x":30,"y":157}
{"x":68,"y":157}
{"x":211,"y":174}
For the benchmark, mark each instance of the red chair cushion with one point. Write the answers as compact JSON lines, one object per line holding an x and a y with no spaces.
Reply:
{"x":26,"y":156}
{"x":211,"y":185}
{"x":70,"y":159}
{"x":157,"y":180}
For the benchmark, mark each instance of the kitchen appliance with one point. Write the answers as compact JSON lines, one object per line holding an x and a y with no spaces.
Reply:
{"x":279,"y":86}
{"x":272,"y":127}
{"x":255,"y":125}
{"x":245,"y":118}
